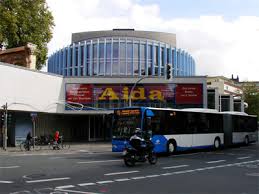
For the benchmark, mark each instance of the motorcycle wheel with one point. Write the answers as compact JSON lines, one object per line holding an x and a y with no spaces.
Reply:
{"x":128,"y":160}
{"x":152,"y":158}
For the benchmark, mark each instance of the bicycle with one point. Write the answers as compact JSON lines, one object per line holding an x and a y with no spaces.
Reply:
{"x":25,"y":146}
{"x":59,"y":145}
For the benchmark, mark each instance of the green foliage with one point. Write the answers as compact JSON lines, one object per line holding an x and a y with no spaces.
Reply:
{"x":251,"y":96}
{"x":23,"y":21}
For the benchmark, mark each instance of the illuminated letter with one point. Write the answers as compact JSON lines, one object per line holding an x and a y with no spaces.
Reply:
{"x":139,"y":95}
{"x":108,"y":93}
{"x":125,"y":93}
{"x":156,"y":95}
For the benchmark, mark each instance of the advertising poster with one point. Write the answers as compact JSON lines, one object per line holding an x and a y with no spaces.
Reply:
{"x":79,"y":93}
{"x":91,"y":94}
{"x":189,"y":94}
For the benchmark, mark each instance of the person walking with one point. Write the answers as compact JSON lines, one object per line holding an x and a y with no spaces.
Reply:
{"x":28,"y":141}
{"x":56,"y":140}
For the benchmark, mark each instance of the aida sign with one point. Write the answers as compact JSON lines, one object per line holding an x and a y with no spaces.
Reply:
{"x":91,"y":93}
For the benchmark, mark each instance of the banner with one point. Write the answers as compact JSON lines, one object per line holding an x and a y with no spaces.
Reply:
{"x":106,"y":93}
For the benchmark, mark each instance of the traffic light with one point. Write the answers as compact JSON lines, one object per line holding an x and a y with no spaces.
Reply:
{"x":1,"y":120}
{"x":169,"y":71}
{"x":9,"y":119}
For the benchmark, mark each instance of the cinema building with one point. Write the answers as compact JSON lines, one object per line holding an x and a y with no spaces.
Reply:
{"x":98,"y":72}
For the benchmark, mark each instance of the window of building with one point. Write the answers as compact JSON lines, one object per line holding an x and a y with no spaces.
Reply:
{"x":129,"y":58}
{"x":108,"y":58}
{"x":123,"y":58}
{"x":115,"y":60}
{"x":88,"y":53}
{"x":149,"y":61}
{"x":136,"y":58}
{"x":142,"y":58}
{"x":101,"y":59}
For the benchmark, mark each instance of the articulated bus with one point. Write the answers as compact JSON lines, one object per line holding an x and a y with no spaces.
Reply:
{"x":182,"y":129}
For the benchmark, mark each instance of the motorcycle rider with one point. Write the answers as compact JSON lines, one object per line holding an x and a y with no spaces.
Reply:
{"x":137,"y":142}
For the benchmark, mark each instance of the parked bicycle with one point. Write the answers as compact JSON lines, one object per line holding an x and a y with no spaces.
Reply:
{"x":29,"y":145}
{"x":54,"y":145}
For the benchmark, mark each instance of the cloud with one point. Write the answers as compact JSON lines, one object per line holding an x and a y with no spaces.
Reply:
{"x":219,"y":46}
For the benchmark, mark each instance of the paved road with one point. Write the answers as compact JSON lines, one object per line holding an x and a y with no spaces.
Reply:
{"x":234,"y":170}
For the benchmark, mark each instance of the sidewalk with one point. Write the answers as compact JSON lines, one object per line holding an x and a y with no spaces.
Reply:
{"x":87,"y":147}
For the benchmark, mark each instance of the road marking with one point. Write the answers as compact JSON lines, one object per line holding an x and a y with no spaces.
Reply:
{"x":139,"y":177}
{"x":83,"y":150}
{"x":48,"y":180}
{"x":241,"y":158}
{"x":53,"y":158}
{"x":18,"y":192}
{"x":121,"y":180}
{"x":7,"y":182}
{"x":187,"y":154}
{"x":180,"y":166}
{"x":9,"y":166}
{"x":216,"y":161}
{"x":253,"y":174}
{"x":117,"y":173}
{"x":73,"y":191}
{"x":86,"y":184}
{"x":211,"y":167}
{"x":65,"y":187}
{"x":153,"y":175}
{"x":103,"y":182}
{"x":98,"y":161}
{"x":166,"y":174}
{"x":199,"y":169}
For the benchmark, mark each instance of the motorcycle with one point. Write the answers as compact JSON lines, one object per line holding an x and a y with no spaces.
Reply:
{"x":132,"y":155}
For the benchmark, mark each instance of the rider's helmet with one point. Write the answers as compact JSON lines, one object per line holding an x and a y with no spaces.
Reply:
{"x":137,"y":132}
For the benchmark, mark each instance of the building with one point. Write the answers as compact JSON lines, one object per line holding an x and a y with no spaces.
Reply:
{"x":225,"y":94}
{"x":24,"y":56}
{"x":224,"y":85}
{"x":99,"y":72}
{"x":121,"y":52}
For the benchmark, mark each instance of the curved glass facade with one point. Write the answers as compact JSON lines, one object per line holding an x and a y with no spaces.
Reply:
{"x":120,"y":56}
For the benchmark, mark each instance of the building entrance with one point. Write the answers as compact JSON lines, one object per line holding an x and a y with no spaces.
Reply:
{"x":76,"y":128}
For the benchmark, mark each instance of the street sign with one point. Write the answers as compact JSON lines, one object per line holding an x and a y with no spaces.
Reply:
{"x":33,"y":114}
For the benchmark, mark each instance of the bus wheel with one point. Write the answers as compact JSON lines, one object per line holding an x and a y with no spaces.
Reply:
{"x":171,"y":147}
{"x":217,"y":143}
{"x":246,"y":140}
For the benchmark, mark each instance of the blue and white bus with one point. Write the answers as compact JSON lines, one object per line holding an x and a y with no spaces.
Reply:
{"x":176,"y":130}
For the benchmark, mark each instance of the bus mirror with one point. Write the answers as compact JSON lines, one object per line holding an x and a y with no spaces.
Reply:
{"x":149,"y":133}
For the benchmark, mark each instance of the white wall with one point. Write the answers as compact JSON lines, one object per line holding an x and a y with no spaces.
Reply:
{"x":29,"y":90}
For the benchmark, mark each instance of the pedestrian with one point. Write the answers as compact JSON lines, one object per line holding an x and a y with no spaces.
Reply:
{"x":56,"y":140}
{"x":28,"y":141}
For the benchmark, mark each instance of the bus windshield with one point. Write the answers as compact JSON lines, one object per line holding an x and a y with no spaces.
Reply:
{"x":125,"y":123}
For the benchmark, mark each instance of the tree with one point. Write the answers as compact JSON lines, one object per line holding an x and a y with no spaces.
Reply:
{"x":24,"y":21}
{"x":251,"y":96}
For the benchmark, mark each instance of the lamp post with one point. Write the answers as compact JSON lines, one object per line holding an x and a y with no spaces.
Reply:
{"x":132,"y":89}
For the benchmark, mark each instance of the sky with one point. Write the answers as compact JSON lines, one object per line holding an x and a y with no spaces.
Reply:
{"x":221,"y":35}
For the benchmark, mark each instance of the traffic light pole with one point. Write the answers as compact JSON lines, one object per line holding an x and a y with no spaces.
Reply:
{"x":5,"y":127}
{"x":132,"y":89}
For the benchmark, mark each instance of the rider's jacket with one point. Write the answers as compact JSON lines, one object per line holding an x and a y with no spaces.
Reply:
{"x":137,"y":142}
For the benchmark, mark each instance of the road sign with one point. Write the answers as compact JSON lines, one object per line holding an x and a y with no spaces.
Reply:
{"x":33,"y":114}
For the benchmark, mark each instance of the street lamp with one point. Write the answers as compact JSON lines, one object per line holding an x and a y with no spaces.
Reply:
{"x":132,"y":89}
